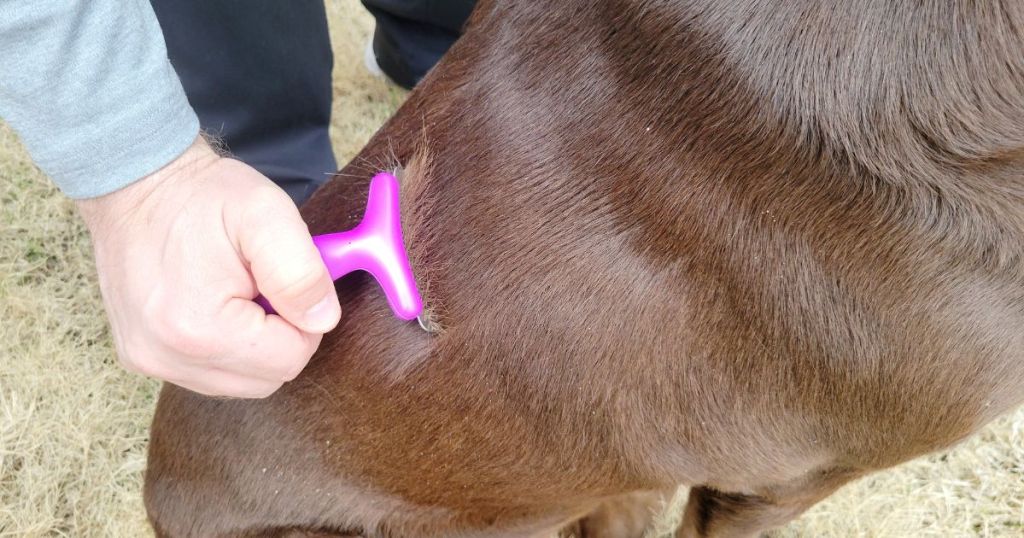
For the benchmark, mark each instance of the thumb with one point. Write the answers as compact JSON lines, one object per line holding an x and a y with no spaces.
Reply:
{"x":285,"y":265}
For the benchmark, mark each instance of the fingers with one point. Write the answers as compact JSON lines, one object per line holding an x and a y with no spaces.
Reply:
{"x":202,"y":378}
{"x":230,"y":347}
{"x":262,"y":346}
{"x":213,"y":382}
{"x":246,"y":362}
{"x":240,"y":353}
{"x":284,"y":263}
{"x":177,"y":267}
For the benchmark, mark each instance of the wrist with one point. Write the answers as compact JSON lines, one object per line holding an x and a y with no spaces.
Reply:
{"x":100,"y":211}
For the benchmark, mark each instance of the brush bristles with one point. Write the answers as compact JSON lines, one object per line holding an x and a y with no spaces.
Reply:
{"x":415,"y":206}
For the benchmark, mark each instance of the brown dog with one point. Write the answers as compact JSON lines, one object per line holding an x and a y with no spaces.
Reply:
{"x":762,"y":248}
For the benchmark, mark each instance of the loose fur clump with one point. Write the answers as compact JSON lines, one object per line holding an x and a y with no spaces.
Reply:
{"x":216,"y":143}
{"x":416,"y":206}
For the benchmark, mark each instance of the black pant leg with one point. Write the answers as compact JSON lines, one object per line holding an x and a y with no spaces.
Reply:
{"x":412,"y":35}
{"x":258,"y":74}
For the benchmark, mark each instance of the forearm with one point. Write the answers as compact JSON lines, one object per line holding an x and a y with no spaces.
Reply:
{"x":87,"y":85}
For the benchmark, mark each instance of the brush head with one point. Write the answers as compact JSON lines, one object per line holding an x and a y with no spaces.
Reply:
{"x":376,"y":246}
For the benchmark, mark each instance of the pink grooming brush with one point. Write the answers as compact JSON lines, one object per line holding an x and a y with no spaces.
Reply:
{"x":375,"y":245}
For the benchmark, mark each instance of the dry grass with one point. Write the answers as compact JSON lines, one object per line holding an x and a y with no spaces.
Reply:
{"x":73,"y":426}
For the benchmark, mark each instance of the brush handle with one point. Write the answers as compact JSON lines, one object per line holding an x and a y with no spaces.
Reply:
{"x":376,"y":246}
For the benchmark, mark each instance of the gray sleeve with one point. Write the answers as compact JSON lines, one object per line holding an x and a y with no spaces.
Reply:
{"x":88,"y":87}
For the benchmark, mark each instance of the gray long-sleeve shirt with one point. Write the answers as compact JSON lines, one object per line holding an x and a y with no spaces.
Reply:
{"x":88,"y":87}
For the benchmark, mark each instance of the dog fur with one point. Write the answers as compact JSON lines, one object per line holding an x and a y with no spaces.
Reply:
{"x":758,"y":247}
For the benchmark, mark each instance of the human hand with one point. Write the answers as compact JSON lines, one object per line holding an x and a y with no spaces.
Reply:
{"x":181,"y":254}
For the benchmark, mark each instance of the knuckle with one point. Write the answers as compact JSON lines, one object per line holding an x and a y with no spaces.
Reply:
{"x":292,"y":370}
{"x":137,"y":356}
{"x":186,"y":335}
{"x":256,"y":390}
{"x":199,"y":389}
{"x":148,"y":368}
{"x":233,"y":388}
{"x":134,"y":367}
{"x":296,"y":280}
{"x":269,"y":201}
{"x":270,"y":195}
{"x":267,"y":390}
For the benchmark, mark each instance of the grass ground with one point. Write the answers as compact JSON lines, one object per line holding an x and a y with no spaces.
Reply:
{"x":73,"y":426}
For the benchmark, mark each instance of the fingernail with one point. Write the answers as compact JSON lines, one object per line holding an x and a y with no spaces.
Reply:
{"x":323,"y":315}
